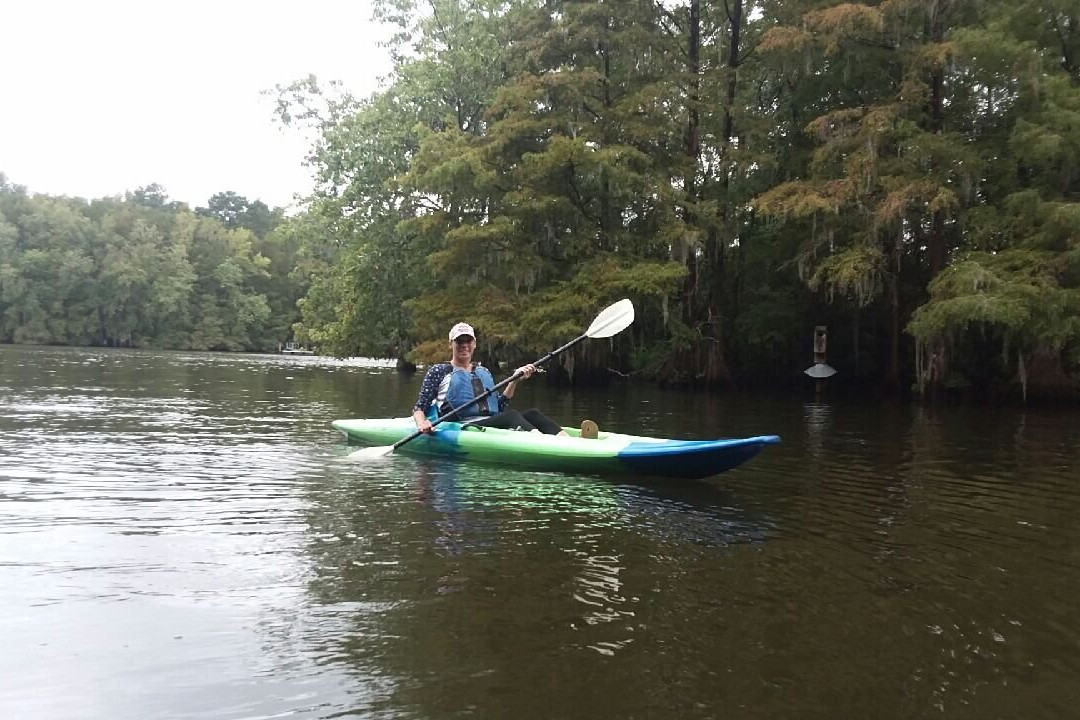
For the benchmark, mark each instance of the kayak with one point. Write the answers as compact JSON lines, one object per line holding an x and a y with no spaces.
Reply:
{"x":609,"y":453}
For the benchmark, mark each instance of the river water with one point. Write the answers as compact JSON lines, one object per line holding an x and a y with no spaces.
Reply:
{"x":182,"y":535}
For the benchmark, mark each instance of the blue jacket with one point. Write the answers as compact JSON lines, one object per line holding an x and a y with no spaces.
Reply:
{"x":495,"y":403}
{"x":464,"y":386}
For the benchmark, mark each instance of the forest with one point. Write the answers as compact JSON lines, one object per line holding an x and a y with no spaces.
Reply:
{"x":904,"y":172}
{"x":141,"y":271}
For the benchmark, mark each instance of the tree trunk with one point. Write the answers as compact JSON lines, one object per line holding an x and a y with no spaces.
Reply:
{"x":692,"y":150}
{"x":733,"y":65}
{"x":937,"y":126}
{"x":892,"y":378}
{"x":606,"y":206}
{"x":855,"y":340}
{"x":715,"y":250}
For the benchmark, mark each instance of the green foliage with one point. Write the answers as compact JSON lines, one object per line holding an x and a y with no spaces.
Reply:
{"x":140,"y":272}
{"x":771,"y":319}
{"x":1016,"y":298}
{"x":743,"y":171}
{"x":966,"y":142}
{"x":235,"y":211}
{"x":857,"y":272}
{"x":1015,"y":294}
{"x":529,"y":162}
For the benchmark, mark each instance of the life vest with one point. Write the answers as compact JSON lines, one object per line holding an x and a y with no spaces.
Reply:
{"x":464,"y":386}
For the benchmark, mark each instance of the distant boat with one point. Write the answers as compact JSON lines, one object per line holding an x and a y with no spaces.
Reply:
{"x":292,"y":348}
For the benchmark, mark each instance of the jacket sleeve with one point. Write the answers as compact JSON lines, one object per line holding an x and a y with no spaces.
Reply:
{"x":429,"y":389}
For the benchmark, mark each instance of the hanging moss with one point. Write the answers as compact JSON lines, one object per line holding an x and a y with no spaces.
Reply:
{"x":1014,"y":297}
{"x":857,"y":273}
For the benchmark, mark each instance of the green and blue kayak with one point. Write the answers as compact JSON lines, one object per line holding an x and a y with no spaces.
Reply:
{"x":609,"y":454}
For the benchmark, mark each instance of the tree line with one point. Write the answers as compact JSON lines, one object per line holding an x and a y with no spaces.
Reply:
{"x":143,"y":271}
{"x":905,"y":172}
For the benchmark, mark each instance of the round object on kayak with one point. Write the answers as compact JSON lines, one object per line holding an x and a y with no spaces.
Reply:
{"x":589,"y":429}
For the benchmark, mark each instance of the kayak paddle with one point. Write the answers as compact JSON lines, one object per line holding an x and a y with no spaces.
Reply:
{"x":611,"y":321}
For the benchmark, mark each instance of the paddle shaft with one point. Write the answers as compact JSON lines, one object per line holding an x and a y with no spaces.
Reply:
{"x":450,"y":413}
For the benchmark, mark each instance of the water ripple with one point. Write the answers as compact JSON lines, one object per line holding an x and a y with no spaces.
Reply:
{"x":182,"y":536}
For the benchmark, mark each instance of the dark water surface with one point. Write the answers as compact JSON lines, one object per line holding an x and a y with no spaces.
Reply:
{"x":183,"y":536}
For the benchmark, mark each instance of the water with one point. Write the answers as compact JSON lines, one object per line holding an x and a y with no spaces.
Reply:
{"x":183,"y":536}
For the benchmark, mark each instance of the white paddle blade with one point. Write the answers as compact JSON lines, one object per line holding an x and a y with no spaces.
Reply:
{"x":614,"y":319}
{"x":371,"y":453}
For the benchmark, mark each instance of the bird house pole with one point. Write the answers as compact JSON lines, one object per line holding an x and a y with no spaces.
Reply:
{"x":820,"y":369}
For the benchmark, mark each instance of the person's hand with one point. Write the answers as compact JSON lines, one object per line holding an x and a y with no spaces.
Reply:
{"x":424,"y":426}
{"x":525,"y":371}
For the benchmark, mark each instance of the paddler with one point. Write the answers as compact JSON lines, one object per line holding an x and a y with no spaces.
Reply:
{"x":456,"y":383}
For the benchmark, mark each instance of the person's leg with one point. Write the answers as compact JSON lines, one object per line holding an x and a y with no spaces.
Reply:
{"x":542,"y":422}
{"x":507,"y":419}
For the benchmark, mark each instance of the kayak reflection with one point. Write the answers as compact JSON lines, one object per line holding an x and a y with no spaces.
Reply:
{"x":447,"y":570}
{"x":475,"y":507}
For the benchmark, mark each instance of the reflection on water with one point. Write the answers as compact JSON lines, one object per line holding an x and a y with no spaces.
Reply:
{"x":182,"y":536}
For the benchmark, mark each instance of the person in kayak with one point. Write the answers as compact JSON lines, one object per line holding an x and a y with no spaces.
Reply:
{"x":454,"y":384}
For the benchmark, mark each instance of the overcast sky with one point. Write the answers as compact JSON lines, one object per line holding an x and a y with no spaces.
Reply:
{"x":103,"y":96}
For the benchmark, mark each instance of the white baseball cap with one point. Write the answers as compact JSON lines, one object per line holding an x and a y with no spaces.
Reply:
{"x":461,"y":329}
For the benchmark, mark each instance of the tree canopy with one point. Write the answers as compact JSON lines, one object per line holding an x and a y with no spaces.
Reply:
{"x":142,"y":271}
{"x":905,"y":172}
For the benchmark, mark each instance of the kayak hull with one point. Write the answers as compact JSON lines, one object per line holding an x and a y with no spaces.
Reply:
{"x":609,"y":454}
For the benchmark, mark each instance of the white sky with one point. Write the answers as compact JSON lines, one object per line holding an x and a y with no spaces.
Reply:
{"x":103,"y":96}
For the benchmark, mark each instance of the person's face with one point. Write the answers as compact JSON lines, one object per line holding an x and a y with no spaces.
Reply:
{"x":463,"y":347}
